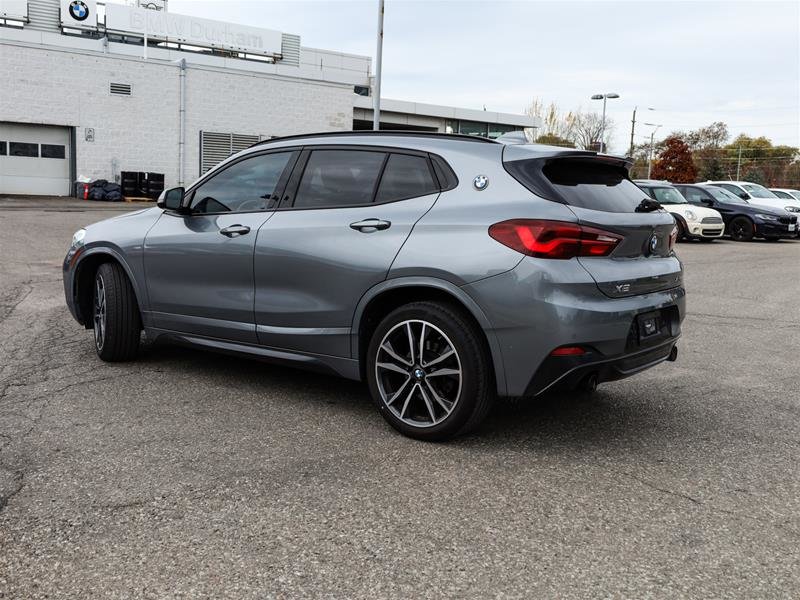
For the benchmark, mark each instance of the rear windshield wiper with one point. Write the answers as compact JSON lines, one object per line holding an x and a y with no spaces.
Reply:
{"x":648,"y":205}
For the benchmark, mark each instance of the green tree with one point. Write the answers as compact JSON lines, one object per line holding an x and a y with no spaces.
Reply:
{"x":675,"y":163}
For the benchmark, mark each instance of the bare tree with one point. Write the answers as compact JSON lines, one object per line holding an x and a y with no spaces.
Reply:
{"x":554,"y":123}
{"x":588,"y":127}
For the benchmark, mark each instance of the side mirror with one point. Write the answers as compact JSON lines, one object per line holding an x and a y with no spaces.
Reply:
{"x":171,"y":199}
{"x":707,"y":201}
{"x":744,"y":195}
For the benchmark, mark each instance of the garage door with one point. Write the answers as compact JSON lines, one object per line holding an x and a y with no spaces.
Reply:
{"x":34,"y":159}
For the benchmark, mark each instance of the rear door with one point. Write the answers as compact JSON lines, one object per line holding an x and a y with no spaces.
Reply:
{"x":352,"y":210}
{"x":599,"y":193}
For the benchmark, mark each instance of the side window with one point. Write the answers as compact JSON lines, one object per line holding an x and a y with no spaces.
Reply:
{"x":693,"y":195}
{"x":649,"y":191}
{"x":733,"y":189}
{"x":244,"y":186}
{"x":339,"y":178}
{"x":405,"y":176}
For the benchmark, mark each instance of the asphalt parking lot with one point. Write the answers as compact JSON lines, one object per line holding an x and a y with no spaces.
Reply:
{"x":189,"y":474}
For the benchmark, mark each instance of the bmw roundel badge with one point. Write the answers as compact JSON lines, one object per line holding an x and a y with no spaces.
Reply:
{"x":480,"y":182}
{"x":653,"y":243}
{"x":78,"y":10}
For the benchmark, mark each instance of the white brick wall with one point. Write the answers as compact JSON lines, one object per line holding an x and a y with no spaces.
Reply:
{"x":141,"y":132}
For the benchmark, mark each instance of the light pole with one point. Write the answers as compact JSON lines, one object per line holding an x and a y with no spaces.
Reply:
{"x":604,"y":97}
{"x":376,"y":90}
{"x":652,"y":136}
{"x":633,"y":127}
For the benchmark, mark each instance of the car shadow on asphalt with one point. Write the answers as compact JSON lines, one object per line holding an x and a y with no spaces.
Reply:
{"x":612,"y":417}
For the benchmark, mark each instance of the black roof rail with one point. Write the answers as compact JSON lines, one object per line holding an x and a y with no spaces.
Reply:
{"x":390,"y":133}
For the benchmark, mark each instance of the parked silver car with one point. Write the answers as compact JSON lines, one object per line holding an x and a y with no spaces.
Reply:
{"x":443,"y":270}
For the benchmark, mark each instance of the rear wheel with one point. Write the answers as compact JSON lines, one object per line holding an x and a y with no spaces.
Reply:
{"x":741,"y":229}
{"x":115,"y":315}
{"x":428,"y":371}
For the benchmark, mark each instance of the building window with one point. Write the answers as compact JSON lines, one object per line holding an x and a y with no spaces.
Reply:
{"x":3,"y":149}
{"x":53,"y":151}
{"x":24,"y":149}
{"x":496,"y":129}
{"x":473,"y":128}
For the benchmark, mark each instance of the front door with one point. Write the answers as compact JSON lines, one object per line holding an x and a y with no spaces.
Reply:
{"x":352,"y":211}
{"x":199,"y":267}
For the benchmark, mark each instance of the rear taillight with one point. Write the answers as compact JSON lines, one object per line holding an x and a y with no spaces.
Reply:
{"x":673,"y":237}
{"x":553,"y":239}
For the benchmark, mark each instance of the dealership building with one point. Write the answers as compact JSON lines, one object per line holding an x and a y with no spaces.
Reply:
{"x":90,"y":90}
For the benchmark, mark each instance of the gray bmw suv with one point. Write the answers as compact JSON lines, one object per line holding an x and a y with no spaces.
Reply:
{"x":443,"y":270}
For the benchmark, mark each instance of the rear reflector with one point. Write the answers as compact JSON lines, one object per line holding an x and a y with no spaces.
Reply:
{"x":568,"y":351}
{"x":553,"y":239}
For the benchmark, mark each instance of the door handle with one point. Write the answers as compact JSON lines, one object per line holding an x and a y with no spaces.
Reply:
{"x":235,"y":230}
{"x":370,"y":225}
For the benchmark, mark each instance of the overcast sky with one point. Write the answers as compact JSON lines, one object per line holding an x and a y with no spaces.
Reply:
{"x":694,"y":62}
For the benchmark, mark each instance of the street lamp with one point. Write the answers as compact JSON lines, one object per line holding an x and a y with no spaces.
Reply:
{"x":652,"y":135}
{"x":604,"y":97}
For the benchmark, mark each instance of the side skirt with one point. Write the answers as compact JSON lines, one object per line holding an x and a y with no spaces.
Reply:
{"x":331,"y":365}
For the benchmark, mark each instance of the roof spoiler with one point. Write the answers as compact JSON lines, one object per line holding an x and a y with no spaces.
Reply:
{"x":513,"y":152}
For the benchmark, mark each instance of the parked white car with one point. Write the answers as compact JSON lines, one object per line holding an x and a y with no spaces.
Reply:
{"x":694,"y":222}
{"x":758,"y":194}
{"x":786,"y":193}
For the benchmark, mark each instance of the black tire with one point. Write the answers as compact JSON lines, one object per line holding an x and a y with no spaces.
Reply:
{"x":117,"y":327}
{"x":475,"y":393}
{"x":741,"y":229}
{"x":681,"y":231}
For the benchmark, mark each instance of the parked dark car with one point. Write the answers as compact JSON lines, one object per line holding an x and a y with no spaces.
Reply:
{"x":743,"y":220}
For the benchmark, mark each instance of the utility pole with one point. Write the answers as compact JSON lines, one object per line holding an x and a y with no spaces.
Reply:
{"x":376,"y":89}
{"x":633,"y":127}
{"x":739,"y":163}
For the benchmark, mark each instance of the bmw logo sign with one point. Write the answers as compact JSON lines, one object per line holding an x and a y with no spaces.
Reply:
{"x":480,"y":182}
{"x":653,"y":243}
{"x":78,"y":10}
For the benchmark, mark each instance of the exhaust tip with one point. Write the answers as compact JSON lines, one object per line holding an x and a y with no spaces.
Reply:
{"x":589,"y":383}
{"x":673,"y":354}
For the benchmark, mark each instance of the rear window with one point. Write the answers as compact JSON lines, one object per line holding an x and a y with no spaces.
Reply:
{"x":582,"y":182}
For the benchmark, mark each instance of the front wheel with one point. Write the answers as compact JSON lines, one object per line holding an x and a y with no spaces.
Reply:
{"x":741,"y":229}
{"x":428,"y":371}
{"x":115,"y":315}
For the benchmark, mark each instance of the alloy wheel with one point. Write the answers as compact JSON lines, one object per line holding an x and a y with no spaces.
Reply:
{"x":99,"y":313}
{"x":418,"y":372}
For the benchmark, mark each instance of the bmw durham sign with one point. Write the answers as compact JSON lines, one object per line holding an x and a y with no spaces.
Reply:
{"x":162,"y":25}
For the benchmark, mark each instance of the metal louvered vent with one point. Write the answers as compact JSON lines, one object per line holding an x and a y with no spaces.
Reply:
{"x":216,"y":147}
{"x":120,"y":89}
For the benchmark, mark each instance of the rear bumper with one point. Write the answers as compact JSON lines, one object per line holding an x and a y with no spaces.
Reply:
{"x":542,"y":305}
{"x":565,"y":373}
